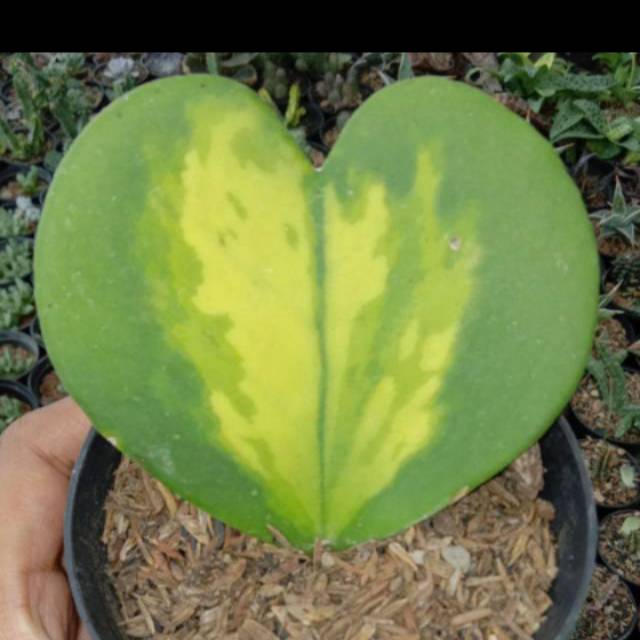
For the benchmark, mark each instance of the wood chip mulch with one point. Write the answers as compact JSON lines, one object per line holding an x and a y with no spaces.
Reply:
{"x":479,"y":570}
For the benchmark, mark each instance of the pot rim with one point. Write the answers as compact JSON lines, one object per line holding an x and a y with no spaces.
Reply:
{"x":569,"y":603}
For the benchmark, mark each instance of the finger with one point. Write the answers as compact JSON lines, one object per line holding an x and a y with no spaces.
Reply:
{"x":36,"y":458}
{"x":56,"y":433}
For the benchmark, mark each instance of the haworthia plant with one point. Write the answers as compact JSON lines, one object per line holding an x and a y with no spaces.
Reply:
{"x":332,"y":353}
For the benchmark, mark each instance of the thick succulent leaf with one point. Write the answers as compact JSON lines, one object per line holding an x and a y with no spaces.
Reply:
{"x":338,"y":353}
{"x":593,"y":113}
{"x":566,"y":117}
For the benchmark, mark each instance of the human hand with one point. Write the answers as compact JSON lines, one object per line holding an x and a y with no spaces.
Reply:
{"x":37,"y":454}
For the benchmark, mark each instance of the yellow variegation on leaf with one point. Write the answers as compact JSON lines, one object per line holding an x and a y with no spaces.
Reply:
{"x":333,"y":353}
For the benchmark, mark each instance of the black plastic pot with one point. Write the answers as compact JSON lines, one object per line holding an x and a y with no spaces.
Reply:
{"x":583,"y":60}
{"x":11,"y":172}
{"x":604,"y":508}
{"x":567,"y":486}
{"x":634,"y":581}
{"x":24,"y":341}
{"x":601,"y":606}
{"x":629,"y":311}
{"x":629,"y":329}
{"x":581,"y":430}
{"x":632,"y":630}
{"x":19,"y":391}
{"x":631,"y":334}
{"x":34,"y":331}
{"x":37,"y":375}
{"x":630,"y":366}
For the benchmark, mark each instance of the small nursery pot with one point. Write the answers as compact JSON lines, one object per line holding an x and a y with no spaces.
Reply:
{"x":36,"y":379}
{"x":567,"y":486}
{"x":19,"y":391}
{"x":584,"y":60}
{"x":610,"y":610}
{"x":34,"y":331}
{"x":24,"y":341}
{"x":605,"y":506}
{"x":630,"y":333}
{"x":582,"y":429}
{"x":12,"y":171}
{"x":628,"y":326}
{"x":606,"y":272}
{"x":610,"y":563}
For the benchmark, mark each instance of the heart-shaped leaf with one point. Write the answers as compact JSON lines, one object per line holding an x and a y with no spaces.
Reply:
{"x":337,"y":353}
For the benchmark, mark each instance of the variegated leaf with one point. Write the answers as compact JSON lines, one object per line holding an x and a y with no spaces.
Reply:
{"x":337,"y":353}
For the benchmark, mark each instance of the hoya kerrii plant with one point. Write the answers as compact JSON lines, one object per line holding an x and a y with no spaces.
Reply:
{"x":332,"y":354}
